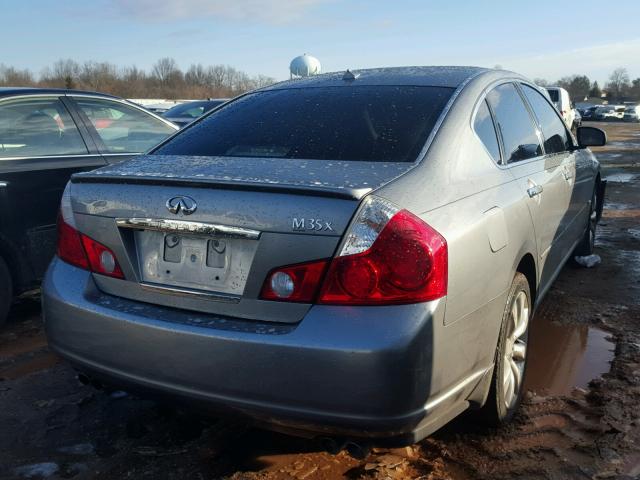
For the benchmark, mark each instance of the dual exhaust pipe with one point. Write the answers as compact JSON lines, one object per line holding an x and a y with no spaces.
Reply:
{"x":357,"y":450}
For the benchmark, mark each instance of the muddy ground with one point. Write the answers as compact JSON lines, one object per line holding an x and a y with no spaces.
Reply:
{"x":580,"y":419}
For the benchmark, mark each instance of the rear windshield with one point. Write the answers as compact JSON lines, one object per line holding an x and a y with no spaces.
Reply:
{"x":351,"y":123}
{"x":554,"y":94}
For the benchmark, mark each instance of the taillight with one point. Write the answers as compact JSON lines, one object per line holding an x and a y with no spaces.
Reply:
{"x":101,"y":259}
{"x":84,"y":252}
{"x":389,"y":256}
{"x":70,"y":245}
{"x":406,"y":263}
{"x":294,"y":283}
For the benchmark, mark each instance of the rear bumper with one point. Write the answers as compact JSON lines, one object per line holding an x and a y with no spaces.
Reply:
{"x":361,"y":371}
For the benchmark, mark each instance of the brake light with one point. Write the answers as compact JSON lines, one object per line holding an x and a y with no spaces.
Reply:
{"x":294,"y":283}
{"x":84,"y":252}
{"x":406,"y":263}
{"x":69,"y":246}
{"x":389,"y":256}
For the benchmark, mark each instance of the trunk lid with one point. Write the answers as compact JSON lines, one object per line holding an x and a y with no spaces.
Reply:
{"x":250,"y":216}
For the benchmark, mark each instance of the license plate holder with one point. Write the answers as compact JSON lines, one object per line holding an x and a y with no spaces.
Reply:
{"x":199,"y":262}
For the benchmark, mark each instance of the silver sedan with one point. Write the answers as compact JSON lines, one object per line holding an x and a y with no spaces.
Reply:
{"x":355,"y":255}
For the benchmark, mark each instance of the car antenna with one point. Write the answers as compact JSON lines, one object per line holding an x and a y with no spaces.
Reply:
{"x":349,"y":76}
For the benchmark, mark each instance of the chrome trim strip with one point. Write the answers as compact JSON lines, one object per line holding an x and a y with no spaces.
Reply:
{"x":182,"y":226}
{"x":61,"y":156}
{"x":188,"y":292}
{"x":124,"y":101}
{"x":72,"y":94}
{"x":455,"y":389}
{"x":4,"y":184}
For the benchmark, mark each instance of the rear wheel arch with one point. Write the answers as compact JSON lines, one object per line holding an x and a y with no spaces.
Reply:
{"x":527,"y":267}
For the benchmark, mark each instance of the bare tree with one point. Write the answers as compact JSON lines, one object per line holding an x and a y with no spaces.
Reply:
{"x":618,"y":83}
{"x":98,"y":76}
{"x":166,"y":70}
{"x":578,"y":86}
{"x":165,"y":80}
{"x":196,"y":75}
{"x":10,"y":76}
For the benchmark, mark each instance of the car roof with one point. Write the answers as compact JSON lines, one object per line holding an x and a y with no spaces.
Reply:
{"x":12,"y":91}
{"x":431,"y":76}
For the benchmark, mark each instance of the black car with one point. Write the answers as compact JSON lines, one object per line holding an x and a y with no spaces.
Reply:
{"x":186,"y":113}
{"x":45,"y":136}
{"x":588,"y":113}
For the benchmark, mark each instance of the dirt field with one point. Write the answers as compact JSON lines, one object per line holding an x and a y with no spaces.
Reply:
{"x":581,"y":417}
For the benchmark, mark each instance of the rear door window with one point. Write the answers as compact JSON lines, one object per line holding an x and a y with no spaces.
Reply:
{"x":515,"y":124}
{"x":34,"y":127}
{"x":554,"y":95}
{"x":485,"y":129}
{"x":351,"y":123}
{"x":123,"y":128}
{"x":556,"y":138}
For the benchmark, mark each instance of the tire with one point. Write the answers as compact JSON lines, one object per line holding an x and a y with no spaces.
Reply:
{"x":586,"y":245}
{"x":510,"y":368}
{"x":6,"y":291}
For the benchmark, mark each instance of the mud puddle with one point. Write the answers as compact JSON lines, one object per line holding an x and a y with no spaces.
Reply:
{"x":566,"y":356}
{"x":621,"y":177}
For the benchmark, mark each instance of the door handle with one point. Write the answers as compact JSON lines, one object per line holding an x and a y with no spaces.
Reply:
{"x":3,"y":184}
{"x":567,"y":176}
{"x":535,"y":190}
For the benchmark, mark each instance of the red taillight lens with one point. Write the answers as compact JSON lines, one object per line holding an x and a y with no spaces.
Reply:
{"x":294,"y":283}
{"x":101,"y":259}
{"x":70,"y":246}
{"x":84,"y":252}
{"x":407,"y":263}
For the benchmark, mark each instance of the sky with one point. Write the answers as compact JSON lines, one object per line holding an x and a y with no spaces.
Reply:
{"x":542,"y":39}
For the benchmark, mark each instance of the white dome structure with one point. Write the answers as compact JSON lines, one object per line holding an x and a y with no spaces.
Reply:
{"x":304,"y":66}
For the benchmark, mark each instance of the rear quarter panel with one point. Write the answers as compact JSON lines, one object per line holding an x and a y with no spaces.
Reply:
{"x":478,"y":207}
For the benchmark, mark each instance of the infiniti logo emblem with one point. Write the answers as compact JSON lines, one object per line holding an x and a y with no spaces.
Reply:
{"x":182,"y":204}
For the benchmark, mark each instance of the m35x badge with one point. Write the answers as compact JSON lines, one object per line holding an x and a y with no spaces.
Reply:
{"x":310,"y":224}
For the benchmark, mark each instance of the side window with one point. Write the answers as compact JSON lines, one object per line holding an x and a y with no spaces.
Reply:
{"x":483,"y":125}
{"x":514,"y":123}
{"x":556,"y":139}
{"x":123,"y":128}
{"x":34,"y":127}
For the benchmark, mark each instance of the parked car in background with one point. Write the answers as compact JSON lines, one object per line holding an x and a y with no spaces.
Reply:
{"x":577,"y":118}
{"x":562,"y":101}
{"x":588,"y":113}
{"x":631,"y":113}
{"x":609,"y":112}
{"x":45,"y":136}
{"x":187,"y":112}
{"x":159,"y":108}
{"x":619,"y":112}
{"x":387,"y":233}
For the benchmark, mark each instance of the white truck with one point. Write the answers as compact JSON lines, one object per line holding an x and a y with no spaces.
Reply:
{"x":562,"y":101}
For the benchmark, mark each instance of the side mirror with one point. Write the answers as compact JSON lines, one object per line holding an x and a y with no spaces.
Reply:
{"x":591,"y":137}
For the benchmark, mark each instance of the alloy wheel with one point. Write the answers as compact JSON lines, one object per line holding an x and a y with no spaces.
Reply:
{"x":515,"y":350}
